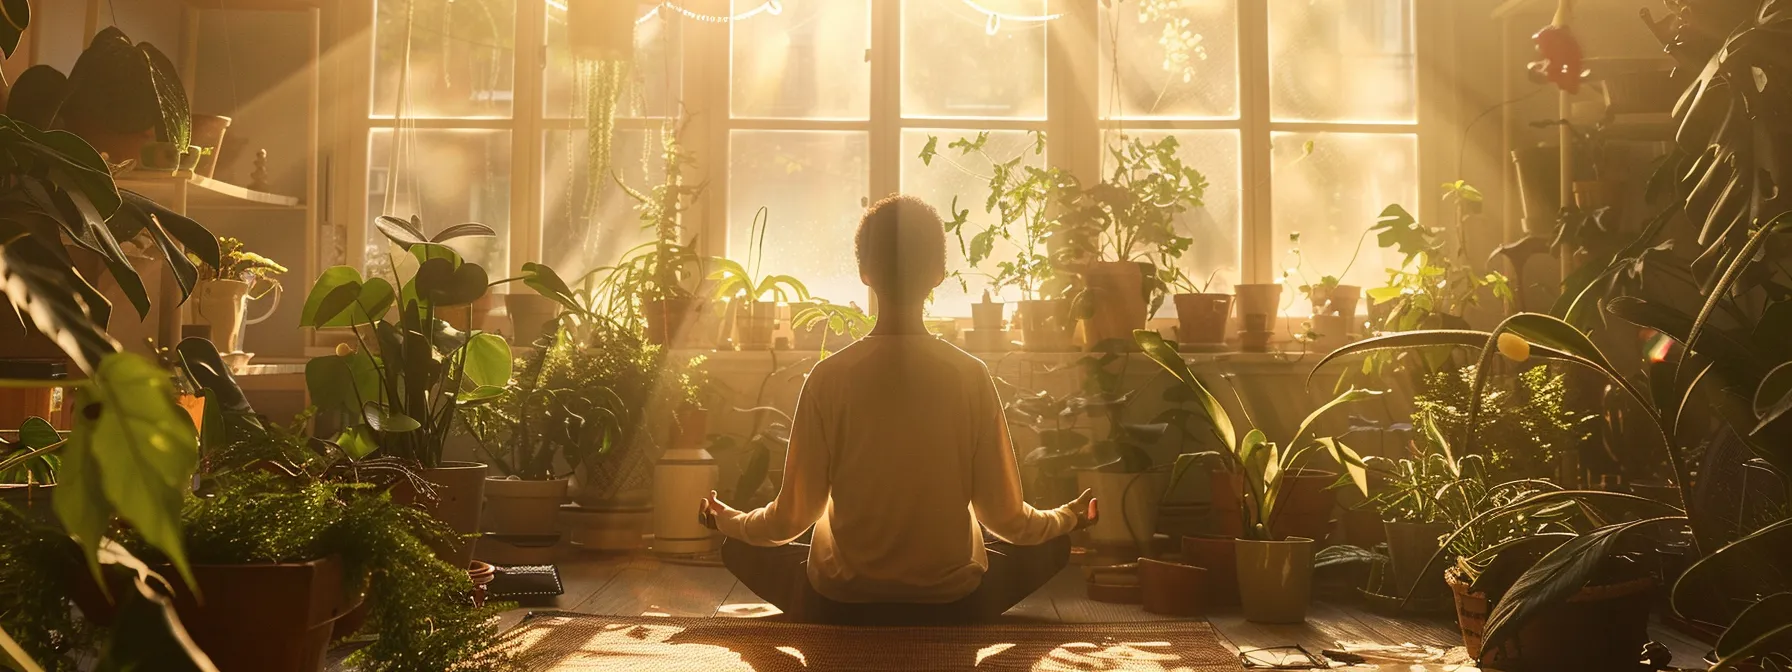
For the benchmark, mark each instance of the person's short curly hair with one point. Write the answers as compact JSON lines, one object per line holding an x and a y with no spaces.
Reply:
{"x":901,"y":245}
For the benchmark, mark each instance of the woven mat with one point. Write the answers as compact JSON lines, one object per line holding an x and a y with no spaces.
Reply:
{"x":565,"y":642}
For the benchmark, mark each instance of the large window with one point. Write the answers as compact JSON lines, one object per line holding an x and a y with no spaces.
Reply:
{"x":1302,"y":114}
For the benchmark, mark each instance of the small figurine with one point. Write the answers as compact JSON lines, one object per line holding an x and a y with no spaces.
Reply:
{"x":258,"y":178}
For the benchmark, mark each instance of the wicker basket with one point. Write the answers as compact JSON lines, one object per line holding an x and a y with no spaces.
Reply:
{"x":1601,"y":627}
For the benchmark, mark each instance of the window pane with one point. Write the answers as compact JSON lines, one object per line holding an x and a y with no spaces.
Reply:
{"x":446,"y":178}
{"x":954,"y":65}
{"x":1331,"y":196}
{"x":813,"y":184}
{"x":965,"y":177}
{"x":1177,"y":58}
{"x":1216,"y":225}
{"x":460,"y":57}
{"x":808,"y":61}
{"x":1342,"y":60}
{"x":579,"y":235}
{"x":653,"y":77}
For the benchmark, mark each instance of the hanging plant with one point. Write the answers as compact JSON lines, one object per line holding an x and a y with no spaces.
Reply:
{"x":602,"y":36}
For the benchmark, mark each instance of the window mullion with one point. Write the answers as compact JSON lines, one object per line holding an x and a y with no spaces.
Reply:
{"x":526,"y":134}
{"x":1072,"y":89}
{"x":1253,"y":63}
{"x":886,"y":98}
{"x":706,"y":122}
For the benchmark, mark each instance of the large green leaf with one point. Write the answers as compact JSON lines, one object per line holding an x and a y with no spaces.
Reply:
{"x":1348,"y":396}
{"x":15,"y":17}
{"x":1556,"y":577}
{"x":1349,"y":460}
{"x":1768,"y":619}
{"x":331,"y":305}
{"x":1166,"y":356}
{"x":1741,"y":261}
{"x":548,"y":283}
{"x":57,"y":300}
{"x":133,"y":452}
{"x":343,"y":384}
{"x":1736,"y":567}
{"x":487,"y":361}
{"x":1428,"y":338}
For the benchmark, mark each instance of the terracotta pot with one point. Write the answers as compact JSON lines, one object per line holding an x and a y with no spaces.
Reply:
{"x":1305,"y":506}
{"x":1219,"y":557}
{"x":208,"y":131}
{"x":1410,"y":547}
{"x":1202,"y":317}
{"x":255,"y":617}
{"x":988,"y":316}
{"x":481,"y":574}
{"x":1046,"y":325}
{"x":1258,"y":305}
{"x":1129,"y":508}
{"x":460,"y":494}
{"x":754,"y":322}
{"x":1275,"y":579}
{"x":1227,"y":490}
{"x":530,"y":314}
{"x":666,"y":319}
{"x":1116,"y":584}
{"x":1117,"y":294}
{"x":1172,"y":588}
{"x":523,"y":508}
{"x":1599,"y":628}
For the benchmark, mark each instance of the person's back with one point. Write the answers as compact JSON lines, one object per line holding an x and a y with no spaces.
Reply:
{"x":899,"y":448}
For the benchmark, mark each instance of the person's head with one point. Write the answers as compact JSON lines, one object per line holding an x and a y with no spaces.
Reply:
{"x":901,"y":246}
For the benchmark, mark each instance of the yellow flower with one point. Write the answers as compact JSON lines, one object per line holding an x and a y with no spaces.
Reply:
{"x":1514,"y":347}
{"x":344,"y":350}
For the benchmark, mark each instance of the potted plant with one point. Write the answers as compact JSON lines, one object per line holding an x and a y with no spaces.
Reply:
{"x":656,"y":285}
{"x":822,"y":326}
{"x":224,"y":291}
{"x":1121,"y":237}
{"x":1274,"y":572}
{"x":1546,"y":576}
{"x":1201,"y":315}
{"x":747,"y":290}
{"x":556,"y":415}
{"x":28,"y":467}
{"x":1022,"y":198}
{"x":399,"y":394}
{"x":126,"y":100}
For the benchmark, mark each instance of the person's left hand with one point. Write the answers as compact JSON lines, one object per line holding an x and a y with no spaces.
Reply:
{"x":709,"y":508}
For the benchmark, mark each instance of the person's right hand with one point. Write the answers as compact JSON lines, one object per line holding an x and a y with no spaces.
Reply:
{"x":1086,"y":509}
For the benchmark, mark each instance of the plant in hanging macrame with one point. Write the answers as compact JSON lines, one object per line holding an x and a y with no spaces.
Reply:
{"x":602,"y":37}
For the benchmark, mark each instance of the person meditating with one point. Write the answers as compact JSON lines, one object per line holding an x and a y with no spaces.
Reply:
{"x":898,"y":450}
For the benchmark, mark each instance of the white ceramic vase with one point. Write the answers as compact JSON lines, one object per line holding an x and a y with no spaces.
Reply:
{"x":224,"y":304}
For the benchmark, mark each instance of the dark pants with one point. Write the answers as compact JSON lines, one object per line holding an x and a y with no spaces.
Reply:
{"x":779,"y":575}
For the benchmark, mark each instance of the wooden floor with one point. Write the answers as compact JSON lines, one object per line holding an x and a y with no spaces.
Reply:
{"x":642,"y":585}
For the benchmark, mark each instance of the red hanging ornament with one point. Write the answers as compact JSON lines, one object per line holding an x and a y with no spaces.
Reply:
{"x":1561,"y":54}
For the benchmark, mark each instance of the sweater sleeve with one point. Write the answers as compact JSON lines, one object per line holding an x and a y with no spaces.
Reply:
{"x":995,"y":479}
{"x":806,"y":482}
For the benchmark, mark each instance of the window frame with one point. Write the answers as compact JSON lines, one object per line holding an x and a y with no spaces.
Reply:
{"x":1073,"y":119}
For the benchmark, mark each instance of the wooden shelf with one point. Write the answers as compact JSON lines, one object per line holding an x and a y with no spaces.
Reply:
{"x":257,"y":5}
{"x":203,"y":192}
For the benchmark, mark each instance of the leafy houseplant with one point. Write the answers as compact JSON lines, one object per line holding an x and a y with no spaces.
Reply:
{"x":1260,"y":472}
{"x":817,"y":323}
{"x":1121,"y":236}
{"x":400,"y":391}
{"x":1022,"y":197}
{"x":225,"y":290}
{"x":747,"y":290}
{"x":655,"y":285}
{"x":1201,"y":315}
{"x":126,"y":99}
{"x":1523,"y":428}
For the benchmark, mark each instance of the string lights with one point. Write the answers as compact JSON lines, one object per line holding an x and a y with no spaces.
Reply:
{"x":993,"y":19}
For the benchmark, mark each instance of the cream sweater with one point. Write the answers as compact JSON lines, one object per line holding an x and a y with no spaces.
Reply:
{"x":898,"y":449}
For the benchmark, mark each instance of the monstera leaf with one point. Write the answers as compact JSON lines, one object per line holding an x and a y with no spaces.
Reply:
{"x":57,"y":300}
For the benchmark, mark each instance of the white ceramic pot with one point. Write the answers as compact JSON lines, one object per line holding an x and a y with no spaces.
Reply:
{"x":224,"y":304}
{"x":683,"y":477}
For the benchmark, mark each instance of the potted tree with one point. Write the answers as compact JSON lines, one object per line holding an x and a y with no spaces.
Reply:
{"x":224,"y":292}
{"x":1121,"y":237}
{"x":399,"y":394}
{"x":1274,"y":572}
{"x":1022,"y":198}
{"x":746,"y":290}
